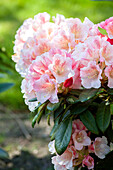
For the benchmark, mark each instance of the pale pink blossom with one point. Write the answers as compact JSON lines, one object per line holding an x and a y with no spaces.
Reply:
{"x":46,"y":89}
{"x":78,"y":125}
{"x":63,"y":40}
{"x":61,"y":68}
{"x":89,"y":23}
{"x":57,"y":166}
{"x":79,"y":29}
{"x":108,"y":25}
{"x":109,"y":73}
{"x":39,"y":67}
{"x":29,"y":93}
{"x":89,"y":50}
{"x":42,"y":18}
{"x":80,"y":139}
{"x":100,"y":147}
{"x":91,"y":75}
{"x":106,"y":53}
{"x":51,"y":147}
{"x":76,"y":66}
{"x":66,"y":159}
{"x":58,"y":19}
{"x":88,"y":161}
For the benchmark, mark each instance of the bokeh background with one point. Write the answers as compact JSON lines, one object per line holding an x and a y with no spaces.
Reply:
{"x":29,"y":151}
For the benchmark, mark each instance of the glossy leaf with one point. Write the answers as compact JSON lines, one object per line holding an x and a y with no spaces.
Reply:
{"x":5,"y":86}
{"x":89,"y":121}
{"x":3,"y":154}
{"x":79,"y":108}
{"x":58,"y":112}
{"x":63,"y":135}
{"x":67,"y":115}
{"x":76,"y":92}
{"x":48,"y":120}
{"x":38,"y":116}
{"x":72,"y":99}
{"x":87,"y":94}
{"x":53,"y":106}
{"x":103,"y":116}
{"x":54,"y":129}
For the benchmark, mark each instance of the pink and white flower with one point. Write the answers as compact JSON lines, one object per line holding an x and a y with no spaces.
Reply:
{"x":66,"y":159}
{"x":100,"y":147}
{"x":80,"y":139}
{"x":61,"y":68}
{"x":91,"y":75}
{"x":51,"y":147}
{"x":106,"y":53}
{"x":88,"y":161}
{"x":109,"y":74}
{"x":46,"y":89}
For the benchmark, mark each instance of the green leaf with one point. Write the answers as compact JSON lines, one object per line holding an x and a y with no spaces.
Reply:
{"x":110,"y":91}
{"x":89,"y":121}
{"x":55,"y":127}
{"x":67,"y":115}
{"x":53,"y":106}
{"x":102,"y":31}
{"x":111,"y":108}
{"x":106,"y":163}
{"x":72,"y":99}
{"x":3,"y":154}
{"x":48,"y":120}
{"x":87,"y":94}
{"x":76,"y":92}
{"x":58,"y":112}
{"x":79,"y":108}
{"x":38,"y":116}
{"x":5,"y":86}
{"x":103,"y":117}
{"x":33,"y":100}
{"x":62,"y":136}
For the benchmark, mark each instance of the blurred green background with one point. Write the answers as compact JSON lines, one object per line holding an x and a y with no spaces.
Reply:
{"x":12,"y":15}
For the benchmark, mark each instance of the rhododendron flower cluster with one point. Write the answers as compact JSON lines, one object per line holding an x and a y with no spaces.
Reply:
{"x":79,"y":149}
{"x":48,"y":54}
{"x":67,"y":71}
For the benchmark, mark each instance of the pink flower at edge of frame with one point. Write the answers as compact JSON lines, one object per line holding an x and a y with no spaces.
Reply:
{"x":106,"y":53}
{"x":109,"y":73}
{"x":46,"y":89}
{"x":91,"y":75}
{"x":88,"y":161}
{"x":66,"y":159}
{"x":100,"y":147}
{"x":108,"y":26}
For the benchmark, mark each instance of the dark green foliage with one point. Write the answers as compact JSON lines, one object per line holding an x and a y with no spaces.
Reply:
{"x":103,"y":116}
{"x":5,"y":86}
{"x":3,"y":154}
{"x":62,"y":136}
{"x":89,"y":121}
